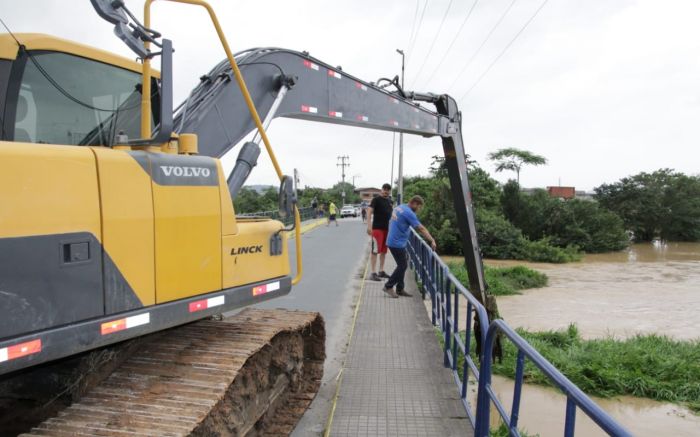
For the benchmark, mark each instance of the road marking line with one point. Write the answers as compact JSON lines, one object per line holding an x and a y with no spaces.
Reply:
{"x":306,"y":228}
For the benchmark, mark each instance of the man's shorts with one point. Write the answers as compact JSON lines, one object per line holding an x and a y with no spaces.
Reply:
{"x":331,"y":217}
{"x":379,"y":240}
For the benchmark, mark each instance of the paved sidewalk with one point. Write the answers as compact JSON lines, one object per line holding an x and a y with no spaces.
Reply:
{"x":394,"y":383}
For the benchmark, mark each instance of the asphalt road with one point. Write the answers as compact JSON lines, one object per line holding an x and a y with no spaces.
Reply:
{"x":334,"y":261}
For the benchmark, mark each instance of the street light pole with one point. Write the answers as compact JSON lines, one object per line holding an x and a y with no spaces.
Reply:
{"x":399,"y":197}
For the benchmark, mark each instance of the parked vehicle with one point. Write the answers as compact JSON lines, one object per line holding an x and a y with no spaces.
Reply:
{"x":348,"y":211}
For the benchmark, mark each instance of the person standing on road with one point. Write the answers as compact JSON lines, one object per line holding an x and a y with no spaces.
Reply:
{"x":332,"y":214}
{"x":402,"y":220}
{"x":378,"y":216}
{"x":364,"y":214}
{"x":314,"y":206}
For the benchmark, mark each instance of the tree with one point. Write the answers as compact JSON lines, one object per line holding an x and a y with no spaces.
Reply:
{"x":498,"y":238}
{"x":514,"y":159}
{"x":664,"y":204}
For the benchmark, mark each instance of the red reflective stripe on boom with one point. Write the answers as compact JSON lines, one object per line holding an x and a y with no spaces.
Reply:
{"x":311,"y":65}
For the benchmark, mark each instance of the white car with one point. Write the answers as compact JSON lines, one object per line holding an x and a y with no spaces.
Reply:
{"x":348,"y":211}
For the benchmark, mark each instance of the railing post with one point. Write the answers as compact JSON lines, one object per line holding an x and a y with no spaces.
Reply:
{"x":455,"y":319}
{"x":467,"y":350}
{"x":447,"y":325}
{"x":483,"y":402}
{"x":517,"y":390}
{"x":570,"y":424}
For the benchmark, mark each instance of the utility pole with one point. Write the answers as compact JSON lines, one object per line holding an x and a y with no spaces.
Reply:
{"x":344,"y":161}
{"x":399,"y":196}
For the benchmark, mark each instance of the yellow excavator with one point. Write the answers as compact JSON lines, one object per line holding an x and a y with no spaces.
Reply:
{"x":117,"y":222}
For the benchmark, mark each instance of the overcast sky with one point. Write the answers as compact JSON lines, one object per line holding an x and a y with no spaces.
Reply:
{"x":602,"y":88}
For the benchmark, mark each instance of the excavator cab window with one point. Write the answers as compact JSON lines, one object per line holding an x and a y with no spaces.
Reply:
{"x":67,"y":99}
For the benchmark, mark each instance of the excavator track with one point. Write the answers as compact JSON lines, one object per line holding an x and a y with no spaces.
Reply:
{"x":251,"y":375}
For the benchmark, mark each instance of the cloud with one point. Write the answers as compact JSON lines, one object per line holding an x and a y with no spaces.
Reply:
{"x":603,"y":89}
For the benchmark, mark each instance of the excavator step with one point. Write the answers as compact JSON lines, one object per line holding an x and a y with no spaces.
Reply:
{"x":250,"y":375}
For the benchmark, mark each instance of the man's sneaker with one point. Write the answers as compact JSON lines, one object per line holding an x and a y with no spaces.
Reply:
{"x":375,"y":277}
{"x":390,"y":292}
{"x":383,"y":274}
{"x":403,"y":293}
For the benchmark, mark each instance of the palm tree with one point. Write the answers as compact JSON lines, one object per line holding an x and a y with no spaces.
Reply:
{"x":513,"y":159}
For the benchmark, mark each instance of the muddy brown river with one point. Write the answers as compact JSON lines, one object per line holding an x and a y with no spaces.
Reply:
{"x":649,"y":288}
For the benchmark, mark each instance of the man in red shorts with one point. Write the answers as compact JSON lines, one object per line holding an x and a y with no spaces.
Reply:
{"x":378,"y":216}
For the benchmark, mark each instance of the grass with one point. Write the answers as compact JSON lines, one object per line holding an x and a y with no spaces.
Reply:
{"x":502,"y":431}
{"x":649,"y":366}
{"x":503,"y":281}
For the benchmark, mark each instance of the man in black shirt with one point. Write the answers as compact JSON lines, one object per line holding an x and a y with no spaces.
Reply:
{"x":378,"y":216}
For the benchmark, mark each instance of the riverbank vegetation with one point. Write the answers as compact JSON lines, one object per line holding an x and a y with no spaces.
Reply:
{"x":503,"y":281}
{"x":531,"y":225}
{"x":664,"y":204}
{"x":650,"y":366}
{"x":514,"y":225}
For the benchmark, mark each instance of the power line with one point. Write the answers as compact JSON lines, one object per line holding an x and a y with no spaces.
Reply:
{"x":527,"y":23}
{"x":420,"y":24}
{"x":452,"y":43}
{"x":483,"y":43}
{"x":413,"y":26}
{"x":432,"y":44}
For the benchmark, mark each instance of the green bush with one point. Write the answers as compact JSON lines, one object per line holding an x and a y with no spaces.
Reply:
{"x":503,"y":281}
{"x":544,"y":251}
{"x":517,"y":277}
{"x":499,"y":239}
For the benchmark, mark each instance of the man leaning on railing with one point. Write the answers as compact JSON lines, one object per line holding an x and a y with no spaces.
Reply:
{"x":403,"y":219}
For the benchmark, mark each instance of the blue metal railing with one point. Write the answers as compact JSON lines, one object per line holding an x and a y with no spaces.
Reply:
{"x":445,"y":292}
{"x":575,"y":398}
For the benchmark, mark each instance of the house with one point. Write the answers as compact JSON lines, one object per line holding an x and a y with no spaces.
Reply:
{"x":368,"y":193}
{"x":562,"y":192}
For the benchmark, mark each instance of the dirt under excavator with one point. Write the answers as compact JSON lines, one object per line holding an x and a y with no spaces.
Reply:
{"x":119,"y":241}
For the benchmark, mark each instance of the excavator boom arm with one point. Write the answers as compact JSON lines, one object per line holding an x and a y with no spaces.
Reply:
{"x":316,"y":91}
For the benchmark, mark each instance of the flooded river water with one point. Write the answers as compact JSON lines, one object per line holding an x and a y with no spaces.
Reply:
{"x":649,"y":288}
